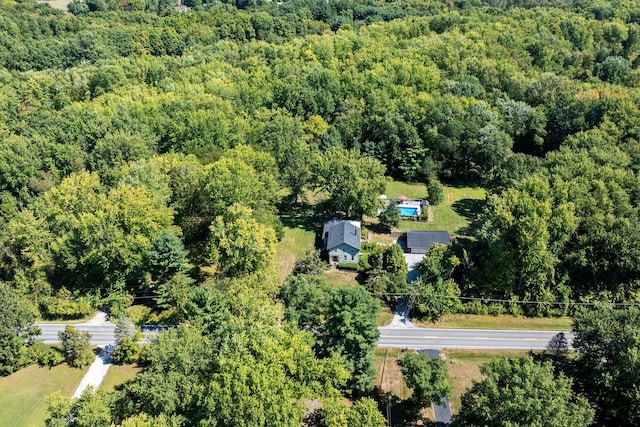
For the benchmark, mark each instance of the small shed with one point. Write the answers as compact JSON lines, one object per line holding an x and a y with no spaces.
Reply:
{"x":420,"y":241}
{"x":342,"y":240}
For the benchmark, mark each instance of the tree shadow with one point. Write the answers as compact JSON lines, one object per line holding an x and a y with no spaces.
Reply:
{"x":305,"y":215}
{"x":399,"y":412}
{"x":469,"y":209}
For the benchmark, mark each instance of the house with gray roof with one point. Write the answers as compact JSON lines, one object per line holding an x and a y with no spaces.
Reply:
{"x":420,"y":241}
{"x":341,"y":239}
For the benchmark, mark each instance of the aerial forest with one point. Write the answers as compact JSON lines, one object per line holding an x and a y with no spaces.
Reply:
{"x":149,"y":152}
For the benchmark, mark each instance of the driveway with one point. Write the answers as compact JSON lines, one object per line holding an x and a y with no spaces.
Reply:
{"x":411,"y":260}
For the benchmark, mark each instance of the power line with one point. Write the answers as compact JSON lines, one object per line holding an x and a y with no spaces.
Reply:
{"x":561,"y":303}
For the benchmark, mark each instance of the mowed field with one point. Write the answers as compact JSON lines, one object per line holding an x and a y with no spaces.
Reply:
{"x":22,"y":394}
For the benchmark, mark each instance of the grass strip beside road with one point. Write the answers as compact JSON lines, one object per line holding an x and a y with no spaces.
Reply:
{"x":500,"y":322}
{"x":22,"y":393}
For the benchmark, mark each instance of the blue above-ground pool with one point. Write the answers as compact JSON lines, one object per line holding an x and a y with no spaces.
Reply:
{"x":408,"y":211}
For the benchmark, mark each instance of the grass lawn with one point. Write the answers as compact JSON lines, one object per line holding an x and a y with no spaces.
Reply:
{"x":412,"y":191}
{"x":454,"y":213}
{"x":478,"y":321}
{"x":336,"y":277}
{"x":118,"y":374}
{"x":295,"y":243}
{"x":22,"y":394}
{"x":464,"y":368}
{"x":389,"y":379}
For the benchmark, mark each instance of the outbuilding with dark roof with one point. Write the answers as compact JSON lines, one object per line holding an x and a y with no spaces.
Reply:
{"x":420,"y":241}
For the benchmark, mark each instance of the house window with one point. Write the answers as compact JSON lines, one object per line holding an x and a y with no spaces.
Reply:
{"x":345,"y":257}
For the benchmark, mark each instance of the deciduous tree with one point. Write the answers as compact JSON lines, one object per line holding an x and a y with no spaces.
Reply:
{"x":521,"y":392}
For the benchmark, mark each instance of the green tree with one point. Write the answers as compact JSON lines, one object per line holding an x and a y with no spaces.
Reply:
{"x":522,"y":392}
{"x":252,"y":375}
{"x":306,"y":298}
{"x":435,"y":293}
{"x":239,"y":244}
{"x":89,"y":410}
{"x":167,"y":256}
{"x":363,"y":413}
{"x":76,"y":347}
{"x":608,"y":340}
{"x":127,"y":349}
{"x":390,"y":217}
{"x":428,"y":378}
{"x":387,"y":270}
{"x":352,"y":181}
{"x":435,"y":192}
{"x":16,"y":328}
{"x":350,"y":331}
{"x":311,"y":264}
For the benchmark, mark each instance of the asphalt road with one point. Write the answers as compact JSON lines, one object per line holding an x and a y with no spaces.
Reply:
{"x":415,"y":338}
{"x":101,"y":335}
{"x":422,"y":338}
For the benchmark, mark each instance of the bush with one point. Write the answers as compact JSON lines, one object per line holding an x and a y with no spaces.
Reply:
{"x":435,"y":192}
{"x":310,"y":264}
{"x":348,"y":266}
{"x":42,"y":354}
{"x":475,"y":307}
{"x":496,"y":309}
{"x":65,"y":306}
{"x":368,"y":247}
{"x":126,"y":351}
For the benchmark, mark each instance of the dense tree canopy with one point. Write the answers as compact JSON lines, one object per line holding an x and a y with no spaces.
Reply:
{"x":521,"y":392}
{"x":607,"y":341}
{"x":149,"y":153}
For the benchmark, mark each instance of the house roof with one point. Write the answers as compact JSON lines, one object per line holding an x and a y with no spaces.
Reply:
{"x":340,"y":232}
{"x":426,"y":239}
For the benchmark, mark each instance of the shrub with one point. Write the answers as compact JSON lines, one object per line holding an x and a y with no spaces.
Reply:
{"x":435,"y":192}
{"x":65,"y":306}
{"x":126,"y":351}
{"x":348,"y":266}
{"x":42,"y":354}
{"x":310,"y":264}
{"x":496,"y":309}
{"x":364,"y":234}
{"x":475,"y":307}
